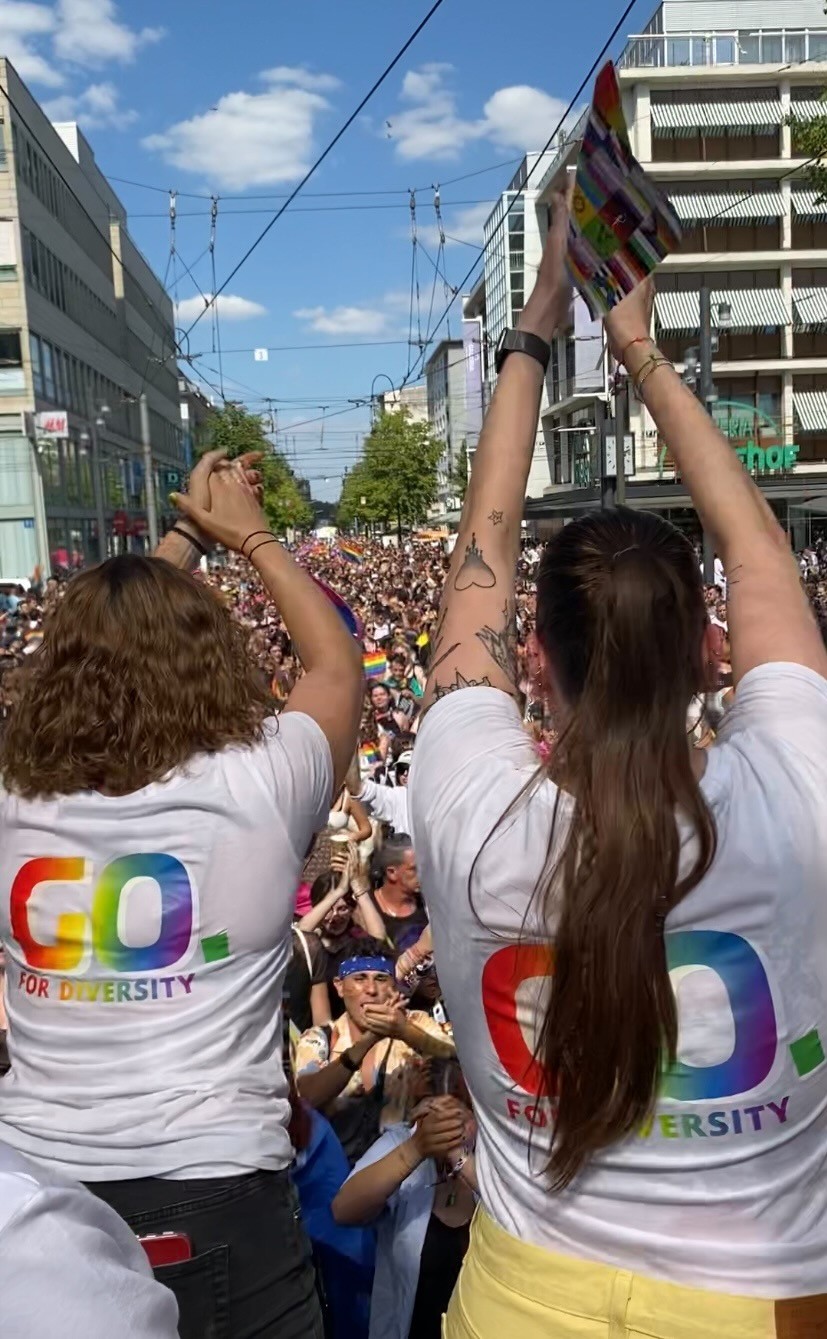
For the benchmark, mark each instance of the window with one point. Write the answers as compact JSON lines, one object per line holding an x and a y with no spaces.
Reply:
{"x":10,"y":349}
{"x":71,"y":469}
{"x":37,"y":364}
{"x":48,"y":371}
{"x":50,"y":465}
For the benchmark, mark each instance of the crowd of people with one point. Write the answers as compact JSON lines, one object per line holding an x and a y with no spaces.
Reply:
{"x":293,"y":846}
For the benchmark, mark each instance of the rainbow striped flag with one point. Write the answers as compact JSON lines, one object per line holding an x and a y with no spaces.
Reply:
{"x":352,"y":623}
{"x":368,"y":755}
{"x":376,"y":665}
{"x":351,"y":550}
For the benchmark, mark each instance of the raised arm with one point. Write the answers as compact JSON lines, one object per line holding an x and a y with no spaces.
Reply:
{"x":474,"y":642}
{"x":770,"y":618}
{"x":185,"y":545}
{"x":330,"y":691}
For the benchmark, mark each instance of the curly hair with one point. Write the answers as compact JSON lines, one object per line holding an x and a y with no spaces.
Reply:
{"x":140,"y":669}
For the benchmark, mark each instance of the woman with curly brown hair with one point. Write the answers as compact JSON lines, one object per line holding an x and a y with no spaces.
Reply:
{"x":153,"y":822}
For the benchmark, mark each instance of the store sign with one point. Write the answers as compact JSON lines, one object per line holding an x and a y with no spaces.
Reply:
{"x":756,"y":439}
{"x":53,"y":423}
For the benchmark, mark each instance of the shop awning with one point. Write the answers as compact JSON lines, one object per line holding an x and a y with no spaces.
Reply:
{"x":808,"y":203}
{"x":808,"y":109}
{"x":752,"y":308}
{"x":809,"y":307}
{"x":810,"y":409}
{"x":724,"y":207}
{"x":689,"y":116}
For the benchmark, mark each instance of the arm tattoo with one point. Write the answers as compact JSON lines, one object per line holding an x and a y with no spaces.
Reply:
{"x":449,"y":651}
{"x":460,"y":681}
{"x":474,"y":570}
{"x":501,"y":644}
{"x":495,"y":517}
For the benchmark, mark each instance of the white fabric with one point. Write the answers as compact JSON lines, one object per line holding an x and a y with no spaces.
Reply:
{"x":387,"y":803}
{"x":144,"y":997}
{"x":69,"y":1265}
{"x":728,"y":1188}
{"x":401,"y":1230}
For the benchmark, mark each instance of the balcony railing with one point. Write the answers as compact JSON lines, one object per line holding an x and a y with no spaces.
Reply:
{"x":776,"y":46}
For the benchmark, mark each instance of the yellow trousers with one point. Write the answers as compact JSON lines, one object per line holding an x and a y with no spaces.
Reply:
{"x":507,"y":1287}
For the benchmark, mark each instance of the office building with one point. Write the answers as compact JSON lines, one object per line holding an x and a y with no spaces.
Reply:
{"x":196,"y":412}
{"x":709,"y":90}
{"x":413,"y":399}
{"x":85,"y":329}
{"x":514,"y":235}
{"x":445,"y":387}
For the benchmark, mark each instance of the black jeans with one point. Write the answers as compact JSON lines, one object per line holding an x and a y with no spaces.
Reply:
{"x":251,"y":1275}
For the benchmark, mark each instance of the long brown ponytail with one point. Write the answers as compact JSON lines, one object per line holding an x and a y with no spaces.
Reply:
{"x":620,"y":616}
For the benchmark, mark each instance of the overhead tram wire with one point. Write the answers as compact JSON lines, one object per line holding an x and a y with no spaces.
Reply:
{"x":326,"y":151}
{"x":579,"y":91}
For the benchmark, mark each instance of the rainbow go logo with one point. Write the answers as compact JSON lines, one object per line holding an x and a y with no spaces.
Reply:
{"x":80,"y":937}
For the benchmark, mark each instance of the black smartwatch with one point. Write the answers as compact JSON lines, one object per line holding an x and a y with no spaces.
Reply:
{"x":522,"y":341}
{"x":347,"y":1062}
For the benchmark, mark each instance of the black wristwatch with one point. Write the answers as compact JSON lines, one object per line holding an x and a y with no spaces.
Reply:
{"x":347,"y":1062}
{"x":522,"y":341}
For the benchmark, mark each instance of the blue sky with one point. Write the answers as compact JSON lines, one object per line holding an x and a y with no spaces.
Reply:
{"x":238,"y":98}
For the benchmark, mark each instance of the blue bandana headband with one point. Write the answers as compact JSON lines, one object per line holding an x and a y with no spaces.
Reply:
{"x":352,"y":965}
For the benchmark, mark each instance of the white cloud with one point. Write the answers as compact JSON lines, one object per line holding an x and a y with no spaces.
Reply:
{"x":23,"y":26}
{"x":300,"y":77}
{"x":248,"y":139}
{"x":96,"y":107}
{"x":90,"y":33}
{"x":343,"y":320}
{"x":230,"y":308}
{"x":429,"y":124}
{"x":44,"y":43}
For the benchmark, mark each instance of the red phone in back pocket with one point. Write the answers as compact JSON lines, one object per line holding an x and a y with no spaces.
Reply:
{"x":166,"y":1248}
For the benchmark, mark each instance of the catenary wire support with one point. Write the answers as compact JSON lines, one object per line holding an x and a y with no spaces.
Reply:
{"x":216,"y":326}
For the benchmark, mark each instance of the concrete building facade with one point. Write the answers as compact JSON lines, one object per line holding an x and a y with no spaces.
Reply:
{"x":709,"y":90}
{"x":445,"y":388}
{"x":85,"y":328}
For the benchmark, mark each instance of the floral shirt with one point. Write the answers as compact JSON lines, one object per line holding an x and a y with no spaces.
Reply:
{"x":319,"y":1046}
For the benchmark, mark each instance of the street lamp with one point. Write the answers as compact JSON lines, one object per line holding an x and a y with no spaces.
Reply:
{"x":98,"y":420}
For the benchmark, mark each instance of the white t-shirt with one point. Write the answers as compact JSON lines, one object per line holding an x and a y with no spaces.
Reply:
{"x":727,"y":1188}
{"x":147,"y":938}
{"x":69,"y":1265}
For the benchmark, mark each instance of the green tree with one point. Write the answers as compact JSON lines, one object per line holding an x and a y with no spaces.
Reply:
{"x":458,"y":477}
{"x":810,"y":141}
{"x":234,"y":430}
{"x":397,"y":475}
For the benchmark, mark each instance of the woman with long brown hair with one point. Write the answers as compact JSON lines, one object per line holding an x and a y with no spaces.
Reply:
{"x":154,"y":817}
{"x":634,"y":934}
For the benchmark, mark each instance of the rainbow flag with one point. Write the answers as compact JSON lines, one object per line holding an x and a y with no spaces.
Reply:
{"x":376,"y":665}
{"x":351,"y":622}
{"x":368,"y":755}
{"x":621,"y":224}
{"x":351,"y":551}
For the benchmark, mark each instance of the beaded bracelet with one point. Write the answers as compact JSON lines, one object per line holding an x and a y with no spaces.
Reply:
{"x":646,"y":371}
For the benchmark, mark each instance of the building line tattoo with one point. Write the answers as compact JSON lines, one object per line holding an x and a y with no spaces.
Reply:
{"x":460,"y":681}
{"x":474,"y":570}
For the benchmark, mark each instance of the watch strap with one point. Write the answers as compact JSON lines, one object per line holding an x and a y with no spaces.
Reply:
{"x":346,"y":1059}
{"x":523,"y":341}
